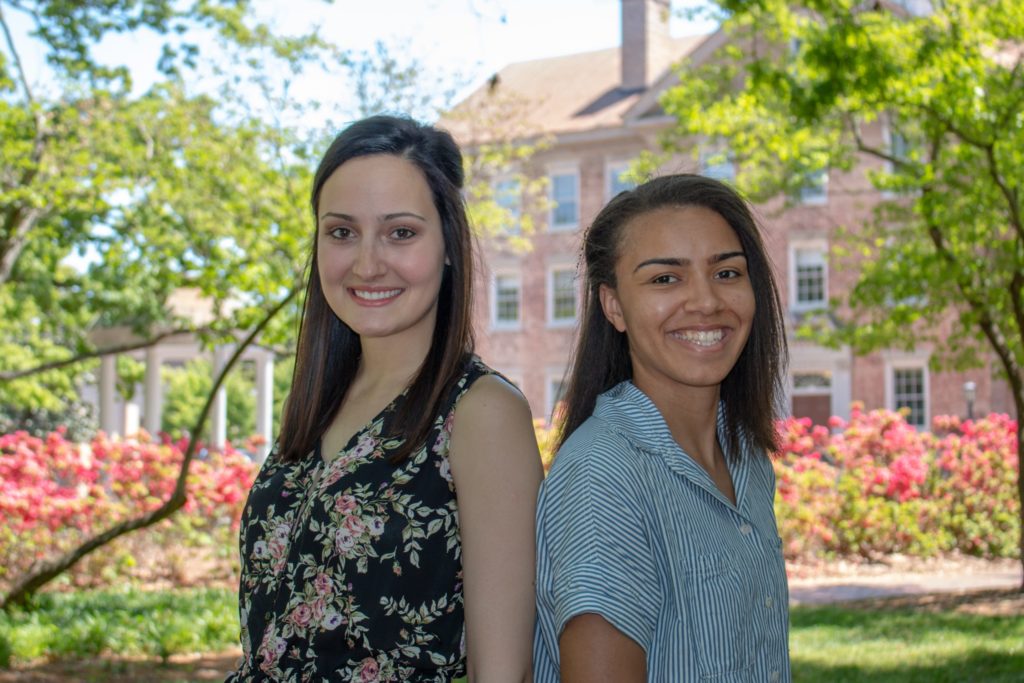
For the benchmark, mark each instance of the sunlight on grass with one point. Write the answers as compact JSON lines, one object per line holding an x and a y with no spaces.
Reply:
{"x":846,"y":645}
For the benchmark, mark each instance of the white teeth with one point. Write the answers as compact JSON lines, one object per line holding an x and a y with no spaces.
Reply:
{"x":376,"y":296}
{"x":702,"y":337}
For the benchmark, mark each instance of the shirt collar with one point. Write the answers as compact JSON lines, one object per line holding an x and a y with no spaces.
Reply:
{"x":630,"y":412}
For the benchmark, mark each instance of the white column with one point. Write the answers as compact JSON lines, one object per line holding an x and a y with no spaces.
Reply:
{"x":154,"y":393}
{"x":842,"y":389}
{"x":219,"y":410}
{"x":108,"y":391}
{"x":264,"y":401}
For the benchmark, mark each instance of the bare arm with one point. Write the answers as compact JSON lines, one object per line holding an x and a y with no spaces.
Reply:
{"x":591,"y":650}
{"x":497,"y":471}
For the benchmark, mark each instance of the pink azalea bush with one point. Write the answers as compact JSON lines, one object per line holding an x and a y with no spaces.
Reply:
{"x":875,"y":485}
{"x":54,"y":493}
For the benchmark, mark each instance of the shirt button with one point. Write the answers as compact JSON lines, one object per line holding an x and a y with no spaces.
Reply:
{"x":768,"y":602}
{"x":745,"y":528}
{"x":774,"y":676}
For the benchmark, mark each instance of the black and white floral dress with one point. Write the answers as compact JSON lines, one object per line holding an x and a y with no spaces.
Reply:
{"x":351,"y":566}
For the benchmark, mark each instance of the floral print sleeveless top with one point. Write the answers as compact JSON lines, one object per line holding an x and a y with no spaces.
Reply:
{"x":352,"y":567}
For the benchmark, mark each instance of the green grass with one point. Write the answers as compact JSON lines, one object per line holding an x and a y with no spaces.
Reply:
{"x":83,"y":625}
{"x":828,"y":644}
{"x":835,"y":645}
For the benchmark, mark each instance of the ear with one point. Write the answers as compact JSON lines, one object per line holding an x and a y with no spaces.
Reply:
{"x":610,"y":306}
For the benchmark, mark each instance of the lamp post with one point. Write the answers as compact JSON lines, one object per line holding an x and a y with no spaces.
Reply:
{"x":970,"y":391}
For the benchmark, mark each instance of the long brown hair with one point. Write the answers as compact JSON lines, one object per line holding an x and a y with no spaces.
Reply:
{"x":751,"y":391}
{"x":328,"y":351}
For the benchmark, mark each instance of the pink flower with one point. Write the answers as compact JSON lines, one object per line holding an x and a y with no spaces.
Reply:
{"x":345,"y":503}
{"x":323,"y":584}
{"x":368,"y":671}
{"x":301,"y":615}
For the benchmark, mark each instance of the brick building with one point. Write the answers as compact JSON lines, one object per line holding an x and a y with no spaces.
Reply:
{"x":600,"y":110}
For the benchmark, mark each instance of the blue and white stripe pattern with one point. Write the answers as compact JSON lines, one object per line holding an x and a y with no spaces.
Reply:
{"x":633,"y":529}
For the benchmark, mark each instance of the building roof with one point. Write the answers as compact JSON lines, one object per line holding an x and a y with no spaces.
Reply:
{"x":567,"y":94}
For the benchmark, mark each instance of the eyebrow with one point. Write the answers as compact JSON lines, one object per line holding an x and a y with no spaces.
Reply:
{"x":385,"y":217}
{"x":679,"y":262}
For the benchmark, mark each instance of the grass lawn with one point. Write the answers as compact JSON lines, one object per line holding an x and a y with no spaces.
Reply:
{"x":906,"y":645}
{"x":122,"y":636}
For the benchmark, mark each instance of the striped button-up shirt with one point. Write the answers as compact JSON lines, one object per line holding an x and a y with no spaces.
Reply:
{"x":631,"y":528}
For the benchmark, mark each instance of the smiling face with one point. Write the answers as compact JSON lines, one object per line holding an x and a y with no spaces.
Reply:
{"x":380,"y":248}
{"x":683,"y":297}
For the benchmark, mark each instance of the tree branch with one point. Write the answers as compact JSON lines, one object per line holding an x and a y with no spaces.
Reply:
{"x":16,"y":57}
{"x":42,"y":574}
{"x":9,"y":375}
{"x":1012,"y":200}
{"x":19,"y":225}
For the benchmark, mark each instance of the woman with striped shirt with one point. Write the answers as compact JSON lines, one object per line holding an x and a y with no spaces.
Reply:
{"x":658,"y":553}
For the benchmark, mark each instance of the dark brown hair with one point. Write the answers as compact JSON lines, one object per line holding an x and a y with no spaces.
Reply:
{"x":751,"y":391}
{"x":328,"y":351}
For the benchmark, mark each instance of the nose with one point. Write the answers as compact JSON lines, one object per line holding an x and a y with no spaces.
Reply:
{"x":368,"y":263}
{"x":703,"y":297}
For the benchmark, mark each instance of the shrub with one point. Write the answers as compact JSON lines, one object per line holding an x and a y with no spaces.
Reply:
{"x":54,"y":493}
{"x":875,"y":485}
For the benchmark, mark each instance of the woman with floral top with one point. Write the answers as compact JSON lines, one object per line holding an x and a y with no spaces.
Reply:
{"x":389,"y":535}
{"x":658,"y":554}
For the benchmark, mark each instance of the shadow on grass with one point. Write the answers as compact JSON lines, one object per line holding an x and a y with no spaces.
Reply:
{"x":980,"y":666}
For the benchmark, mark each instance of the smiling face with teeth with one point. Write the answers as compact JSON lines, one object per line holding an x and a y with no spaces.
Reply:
{"x":683,"y":297}
{"x":380,"y":250}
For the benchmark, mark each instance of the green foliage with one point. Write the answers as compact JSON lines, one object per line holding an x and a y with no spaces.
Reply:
{"x":83,"y":625}
{"x":110,"y":202}
{"x":806,"y":86}
{"x":186,"y":391}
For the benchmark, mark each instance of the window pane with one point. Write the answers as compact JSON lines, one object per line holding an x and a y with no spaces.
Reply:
{"x":506,"y":195}
{"x":810,"y":276}
{"x":563,"y":194}
{"x":908,"y":392}
{"x":815,"y":190}
{"x":563,"y":295}
{"x":717,"y":165}
{"x":616,"y":183}
{"x":812,"y":380}
{"x":506,"y":299}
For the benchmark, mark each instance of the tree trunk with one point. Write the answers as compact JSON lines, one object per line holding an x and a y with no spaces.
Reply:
{"x":41,"y":574}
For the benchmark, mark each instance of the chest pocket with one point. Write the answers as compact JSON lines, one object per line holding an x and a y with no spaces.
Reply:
{"x":718,"y":602}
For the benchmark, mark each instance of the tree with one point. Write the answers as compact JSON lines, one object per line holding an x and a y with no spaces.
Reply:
{"x":111,"y":201}
{"x":793,"y":92}
{"x":152,"y":192}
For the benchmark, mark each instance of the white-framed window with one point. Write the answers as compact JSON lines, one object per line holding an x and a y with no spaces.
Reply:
{"x":562,"y":295}
{"x":907,"y":387}
{"x":717,"y":163}
{"x":508,"y":195}
{"x":564,"y":189}
{"x":554,"y":392}
{"x":617,"y":183}
{"x":815,"y":189}
{"x":506,"y":300}
{"x":808,"y":274}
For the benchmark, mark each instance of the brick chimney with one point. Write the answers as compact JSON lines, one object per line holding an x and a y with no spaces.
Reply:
{"x":646,"y":46}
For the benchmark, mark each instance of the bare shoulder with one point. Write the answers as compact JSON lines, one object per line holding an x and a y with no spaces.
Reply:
{"x":493,"y":413}
{"x":491,"y":398}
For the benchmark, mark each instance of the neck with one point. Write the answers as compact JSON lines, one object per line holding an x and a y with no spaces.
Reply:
{"x":387,"y":362}
{"x":691,"y":416}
